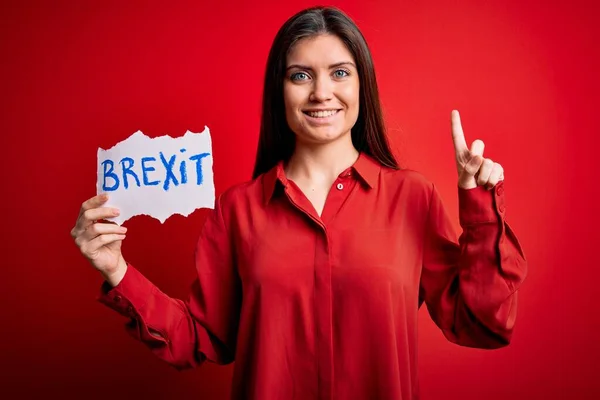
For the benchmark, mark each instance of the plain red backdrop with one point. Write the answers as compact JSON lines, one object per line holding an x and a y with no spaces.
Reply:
{"x":81,"y":75}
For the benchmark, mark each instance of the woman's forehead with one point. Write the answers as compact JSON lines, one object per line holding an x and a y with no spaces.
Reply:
{"x":320,"y":50}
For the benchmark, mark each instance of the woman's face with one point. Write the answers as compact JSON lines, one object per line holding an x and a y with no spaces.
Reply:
{"x":321,"y":90}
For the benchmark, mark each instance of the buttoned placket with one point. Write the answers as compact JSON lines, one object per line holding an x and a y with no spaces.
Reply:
{"x":338,"y":195}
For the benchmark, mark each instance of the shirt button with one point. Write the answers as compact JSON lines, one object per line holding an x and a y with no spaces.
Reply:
{"x":501,"y":208}
{"x":117,"y":299}
{"x":340,"y":186}
{"x":500,"y":190}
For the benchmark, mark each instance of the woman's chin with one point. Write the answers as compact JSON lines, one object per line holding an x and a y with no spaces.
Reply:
{"x":322,"y":135}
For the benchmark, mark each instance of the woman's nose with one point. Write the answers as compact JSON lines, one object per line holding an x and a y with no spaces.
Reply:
{"x":322,"y":89}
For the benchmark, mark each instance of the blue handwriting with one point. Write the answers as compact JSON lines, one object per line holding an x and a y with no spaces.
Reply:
{"x":164,"y":168}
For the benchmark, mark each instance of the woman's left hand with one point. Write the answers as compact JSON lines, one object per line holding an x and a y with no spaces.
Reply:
{"x":473,"y":169}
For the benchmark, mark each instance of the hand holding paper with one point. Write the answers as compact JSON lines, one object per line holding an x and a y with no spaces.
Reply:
{"x":100,"y":242}
{"x":158,"y":177}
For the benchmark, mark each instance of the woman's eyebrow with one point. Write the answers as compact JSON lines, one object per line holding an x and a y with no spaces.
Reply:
{"x":336,"y":65}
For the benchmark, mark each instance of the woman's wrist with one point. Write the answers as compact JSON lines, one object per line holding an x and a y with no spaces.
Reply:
{"x":116,"y":277}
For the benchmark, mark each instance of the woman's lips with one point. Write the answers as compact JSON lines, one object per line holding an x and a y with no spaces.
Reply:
{"x":321,"y":117}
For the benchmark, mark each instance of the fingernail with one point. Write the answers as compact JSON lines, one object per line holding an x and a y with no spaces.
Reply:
{"x":115,"y":211}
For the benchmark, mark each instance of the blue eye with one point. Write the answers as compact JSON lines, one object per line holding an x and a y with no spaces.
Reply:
{"x":299,"y":76}
{"x":340,"y":73}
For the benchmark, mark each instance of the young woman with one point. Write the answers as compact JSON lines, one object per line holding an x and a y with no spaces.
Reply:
{"x":311,"y":275}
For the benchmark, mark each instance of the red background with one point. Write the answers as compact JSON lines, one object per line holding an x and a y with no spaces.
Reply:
{"x":81,"y":75}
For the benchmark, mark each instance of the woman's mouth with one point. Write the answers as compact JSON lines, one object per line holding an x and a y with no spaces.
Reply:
{"x":321,"y":113}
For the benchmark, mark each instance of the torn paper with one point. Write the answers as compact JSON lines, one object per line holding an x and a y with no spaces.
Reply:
{"x":158,"y":177}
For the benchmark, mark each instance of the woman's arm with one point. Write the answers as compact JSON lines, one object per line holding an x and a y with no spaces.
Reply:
{"x":186,"y":333}
{"x":470,"y":285}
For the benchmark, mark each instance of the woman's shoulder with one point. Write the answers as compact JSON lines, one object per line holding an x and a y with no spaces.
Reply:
{"x":247,"y":191}
{"x":408,"y":187}
{"x":405,"y":178}
{"x":235,"y":198}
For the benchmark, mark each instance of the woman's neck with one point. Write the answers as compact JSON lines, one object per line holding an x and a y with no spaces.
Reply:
{"x":321,"y":163}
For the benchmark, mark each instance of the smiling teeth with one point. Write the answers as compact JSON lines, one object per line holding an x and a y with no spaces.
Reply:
{"x":321,"y":114}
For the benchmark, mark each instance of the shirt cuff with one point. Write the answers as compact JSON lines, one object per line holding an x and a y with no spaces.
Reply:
{"x":480,"y":206}
{"x":129,"y":297}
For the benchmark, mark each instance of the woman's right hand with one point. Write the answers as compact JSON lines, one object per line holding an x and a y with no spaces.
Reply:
{"x":100,"y":242}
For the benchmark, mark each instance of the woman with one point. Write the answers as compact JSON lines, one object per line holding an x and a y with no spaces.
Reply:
{"x":311,"y":275}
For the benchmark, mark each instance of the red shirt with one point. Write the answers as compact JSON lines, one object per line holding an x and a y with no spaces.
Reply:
{"x":326,"y":307}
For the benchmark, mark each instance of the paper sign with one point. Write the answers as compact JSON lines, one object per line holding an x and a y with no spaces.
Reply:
{"x":158,"y":177}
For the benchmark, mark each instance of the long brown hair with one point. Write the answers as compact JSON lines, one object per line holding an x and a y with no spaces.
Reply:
{"x":276,"y":141}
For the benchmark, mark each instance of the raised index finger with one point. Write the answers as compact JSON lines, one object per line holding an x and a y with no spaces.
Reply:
{"x":458,"y":137}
